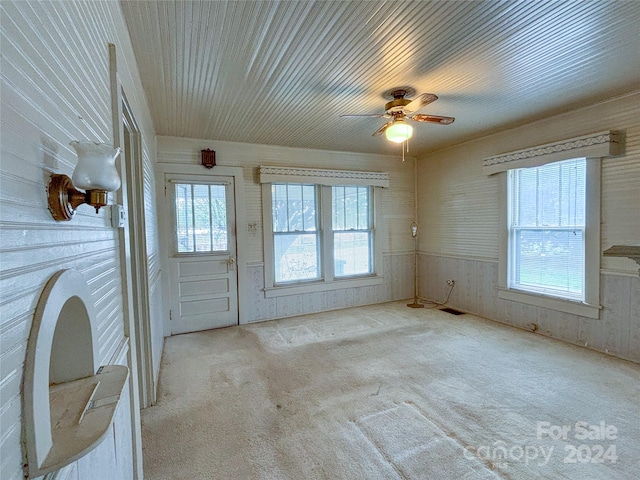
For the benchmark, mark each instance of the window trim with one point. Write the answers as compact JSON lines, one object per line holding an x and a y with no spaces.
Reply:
{"x":590,"y":307}
{"x":325,"y":232}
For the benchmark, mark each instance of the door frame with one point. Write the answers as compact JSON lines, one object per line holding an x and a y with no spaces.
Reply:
{"x":165,"y":226}
{"x":177,"y":259}
{"x":121,"y":198}
{"x":133,"y":170}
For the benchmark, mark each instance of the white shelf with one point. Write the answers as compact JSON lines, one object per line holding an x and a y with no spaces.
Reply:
{"x":630,"y":251}
{"x":81,"y":414}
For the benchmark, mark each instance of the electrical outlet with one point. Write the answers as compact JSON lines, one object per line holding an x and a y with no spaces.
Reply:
{"x":451,"y":283}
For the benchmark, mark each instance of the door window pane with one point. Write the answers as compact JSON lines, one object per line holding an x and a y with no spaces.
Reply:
{"x":201,"y":218}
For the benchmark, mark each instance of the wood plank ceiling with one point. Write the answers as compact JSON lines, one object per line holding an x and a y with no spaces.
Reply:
{"x":282,"y":72}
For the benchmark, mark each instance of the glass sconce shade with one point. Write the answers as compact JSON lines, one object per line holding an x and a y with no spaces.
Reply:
{"x":96,"y":168}
{"x":399,"y":131}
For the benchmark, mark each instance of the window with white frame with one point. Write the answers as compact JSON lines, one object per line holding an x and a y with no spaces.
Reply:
{"x":295,"y":233}
{"x":300,"y":252}
{"x":352,"y":230}
{"x":319,"y":237}
{"x":547,"y":229}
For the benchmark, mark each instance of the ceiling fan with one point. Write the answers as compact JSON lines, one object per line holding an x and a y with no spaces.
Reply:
{"x":400,"y":109}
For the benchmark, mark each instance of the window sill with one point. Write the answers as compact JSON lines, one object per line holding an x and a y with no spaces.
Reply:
{"x":285,"y":290}
{"x":552,"y":303}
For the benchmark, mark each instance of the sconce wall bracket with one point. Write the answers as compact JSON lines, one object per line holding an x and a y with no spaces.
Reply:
{"x":64,"y":198}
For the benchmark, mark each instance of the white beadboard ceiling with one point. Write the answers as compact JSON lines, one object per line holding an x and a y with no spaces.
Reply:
{"x":282,"y":72}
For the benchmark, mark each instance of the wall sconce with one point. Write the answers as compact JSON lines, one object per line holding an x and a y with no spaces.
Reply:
{"x":95,"y":173}
{"x":414,"y":229}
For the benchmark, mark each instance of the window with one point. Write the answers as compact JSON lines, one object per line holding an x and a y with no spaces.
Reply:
{"x":352,"y":232}
{"x":317,"y":236}
{"x":295,"y":233}
{"x":547,"y":225}
{"x":550,"y":252}
{"x":201,"y":218}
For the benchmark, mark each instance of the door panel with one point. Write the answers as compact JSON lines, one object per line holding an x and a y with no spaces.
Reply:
{"x":204,"y":284}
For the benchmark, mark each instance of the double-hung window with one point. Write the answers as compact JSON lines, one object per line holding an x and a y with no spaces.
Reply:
{"x":547,"y":229}
{"x":352,"y":230}
{"x":296,"y":238}
{"x":319,"y":236}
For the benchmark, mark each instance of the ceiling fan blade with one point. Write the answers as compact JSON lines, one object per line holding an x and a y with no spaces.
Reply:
{"x":432,"y":119}
{"x":378,"y":115}
{"x":382,"y":129}
{"x":421,"y":101}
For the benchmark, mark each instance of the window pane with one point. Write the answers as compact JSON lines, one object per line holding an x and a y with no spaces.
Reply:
{"x":279,"y":208}
{"x":550,"y":259}
{"x":296,"y":257}
{"x":526,"y":193}
{"x":351,"y":208}
{"x":363,"y":208}
{"x":352,"y":253}
{"x":551,"y":195}
{"x":338,"y":208}
{"x":219,"y":217}
{"x":201,"y":218}
{"x":294,"y":208}
{"x":184,"y":226}
{"x":309,"y":208}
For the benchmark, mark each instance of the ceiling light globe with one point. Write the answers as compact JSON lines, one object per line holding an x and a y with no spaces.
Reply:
{"x":399,"y":131}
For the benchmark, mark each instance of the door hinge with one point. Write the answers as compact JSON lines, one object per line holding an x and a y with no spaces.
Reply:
{"x":170,"y":315}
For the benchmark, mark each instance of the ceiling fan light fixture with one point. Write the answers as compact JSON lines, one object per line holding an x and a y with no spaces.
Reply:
{"x":399,"y":131}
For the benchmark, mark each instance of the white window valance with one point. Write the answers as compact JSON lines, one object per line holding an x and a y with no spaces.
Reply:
{"x":595,"y":145}
{"x":322,"y":176}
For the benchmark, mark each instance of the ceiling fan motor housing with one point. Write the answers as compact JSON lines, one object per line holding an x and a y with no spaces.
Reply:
{"x":398,"y":101}
{"x":396,"y":105}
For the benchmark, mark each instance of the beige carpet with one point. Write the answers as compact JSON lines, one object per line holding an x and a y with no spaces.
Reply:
{"x":389,"y":392}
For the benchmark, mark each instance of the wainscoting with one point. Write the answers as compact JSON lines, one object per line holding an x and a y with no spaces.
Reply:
{"x":397,"y":285}
{"x":617,"y":332}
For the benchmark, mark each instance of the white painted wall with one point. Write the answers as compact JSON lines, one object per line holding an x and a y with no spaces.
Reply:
{"x":458,"y":213}
{"x":396,"y":205}
{"x":55,"y":88}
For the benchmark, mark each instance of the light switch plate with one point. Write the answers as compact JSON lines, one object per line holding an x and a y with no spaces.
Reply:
{"x":118,"y":216}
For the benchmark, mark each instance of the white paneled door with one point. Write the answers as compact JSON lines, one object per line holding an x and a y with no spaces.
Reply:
{"x":204,"y":280}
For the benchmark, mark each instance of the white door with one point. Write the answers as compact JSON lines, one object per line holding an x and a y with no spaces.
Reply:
{"x":204,"y":280}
